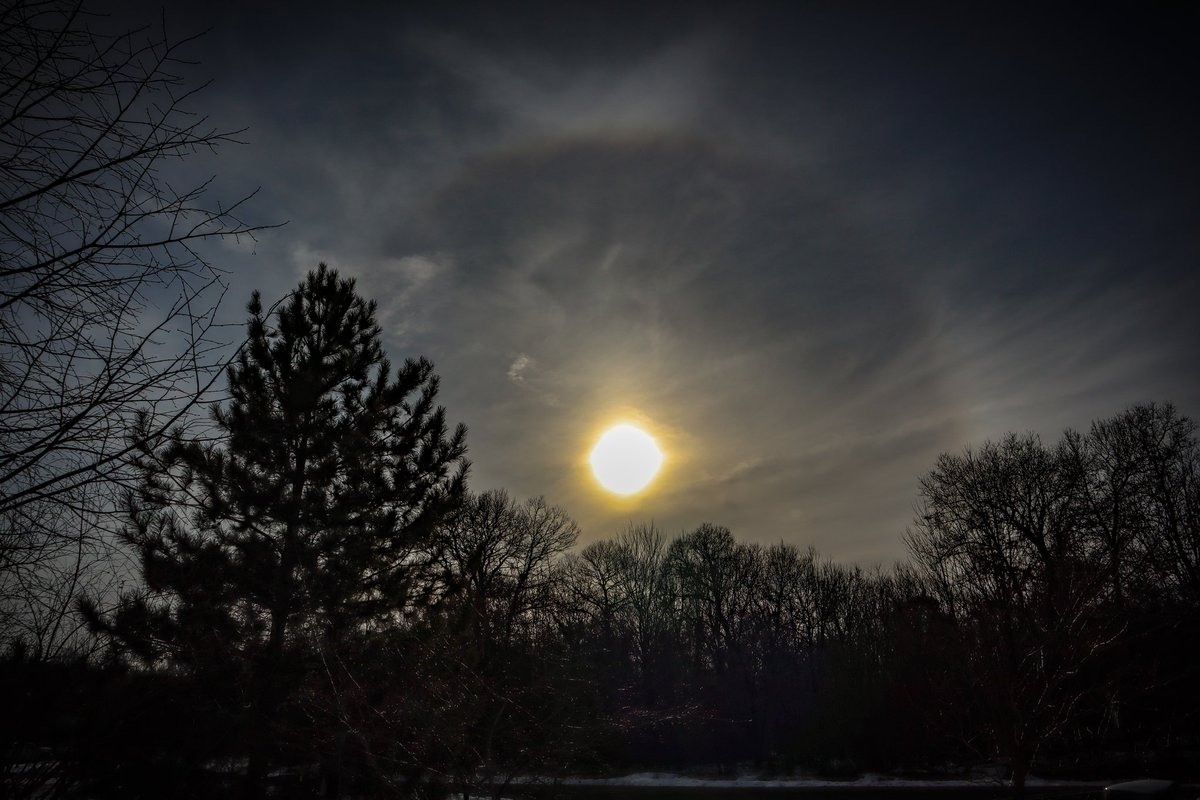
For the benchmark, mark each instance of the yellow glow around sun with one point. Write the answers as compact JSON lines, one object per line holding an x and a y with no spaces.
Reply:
{"x":625,"y":459}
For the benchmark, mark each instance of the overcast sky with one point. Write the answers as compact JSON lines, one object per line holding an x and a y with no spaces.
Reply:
{"x":807,"y":248}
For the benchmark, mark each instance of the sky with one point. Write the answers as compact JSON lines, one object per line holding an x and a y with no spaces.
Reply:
{"x":808,"y":247}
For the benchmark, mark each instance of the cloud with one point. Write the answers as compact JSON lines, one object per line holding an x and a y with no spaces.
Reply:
{"x":521,"y":365}
{"x":809,"y":267}
{"x":404,"y":288}
{"x":531,"y":92}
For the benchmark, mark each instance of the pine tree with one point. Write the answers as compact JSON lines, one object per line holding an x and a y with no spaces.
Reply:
{"x":308,"y":518}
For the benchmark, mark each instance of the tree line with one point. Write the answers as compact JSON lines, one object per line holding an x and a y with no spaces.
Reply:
{"x":324,"y":606}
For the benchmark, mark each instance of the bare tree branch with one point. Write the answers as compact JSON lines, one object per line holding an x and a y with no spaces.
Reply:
{"x":107,"y":304}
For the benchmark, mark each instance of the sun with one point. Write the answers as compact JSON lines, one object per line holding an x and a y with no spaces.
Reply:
{"x":625,"y":459}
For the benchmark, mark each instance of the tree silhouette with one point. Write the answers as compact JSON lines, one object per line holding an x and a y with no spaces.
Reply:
{"x":309,"y":519}
{"x":503,"y":555}
{"x":107,"y":306}
{"x":1005,"y":540}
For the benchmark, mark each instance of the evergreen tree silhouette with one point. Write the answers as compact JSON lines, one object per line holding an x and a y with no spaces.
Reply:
{"x":309,"y":517}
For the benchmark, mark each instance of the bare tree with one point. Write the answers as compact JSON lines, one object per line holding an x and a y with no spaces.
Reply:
{"x":598,"y":591}
{"x":504,"y":556}
{"x":1167,"y":449}
{"x":503,"y":553}
{"x":107,"y":304}
{"x":647,"y":592}
{"x":1005,"y":542}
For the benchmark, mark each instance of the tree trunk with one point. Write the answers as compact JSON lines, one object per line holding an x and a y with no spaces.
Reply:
{"x":265,"y":698}
{"x":1020,"y":771}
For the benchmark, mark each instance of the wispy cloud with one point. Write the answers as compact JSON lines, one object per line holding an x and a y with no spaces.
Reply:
{"x":537,"y":94}
{"x":521,"y":365}
{"x":808,"y":265}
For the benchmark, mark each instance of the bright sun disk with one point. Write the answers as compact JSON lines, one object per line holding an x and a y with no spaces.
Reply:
{"x":625,"y":459}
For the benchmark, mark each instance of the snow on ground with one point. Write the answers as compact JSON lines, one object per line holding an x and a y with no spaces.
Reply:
{"x":669,"y":780}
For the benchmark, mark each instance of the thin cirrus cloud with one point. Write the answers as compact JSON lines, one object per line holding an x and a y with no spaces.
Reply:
{"x":809,"y":249}
{"x":531,"y":95}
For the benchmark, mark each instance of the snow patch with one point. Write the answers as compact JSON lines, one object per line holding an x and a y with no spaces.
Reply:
{"x":676,"y":781}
